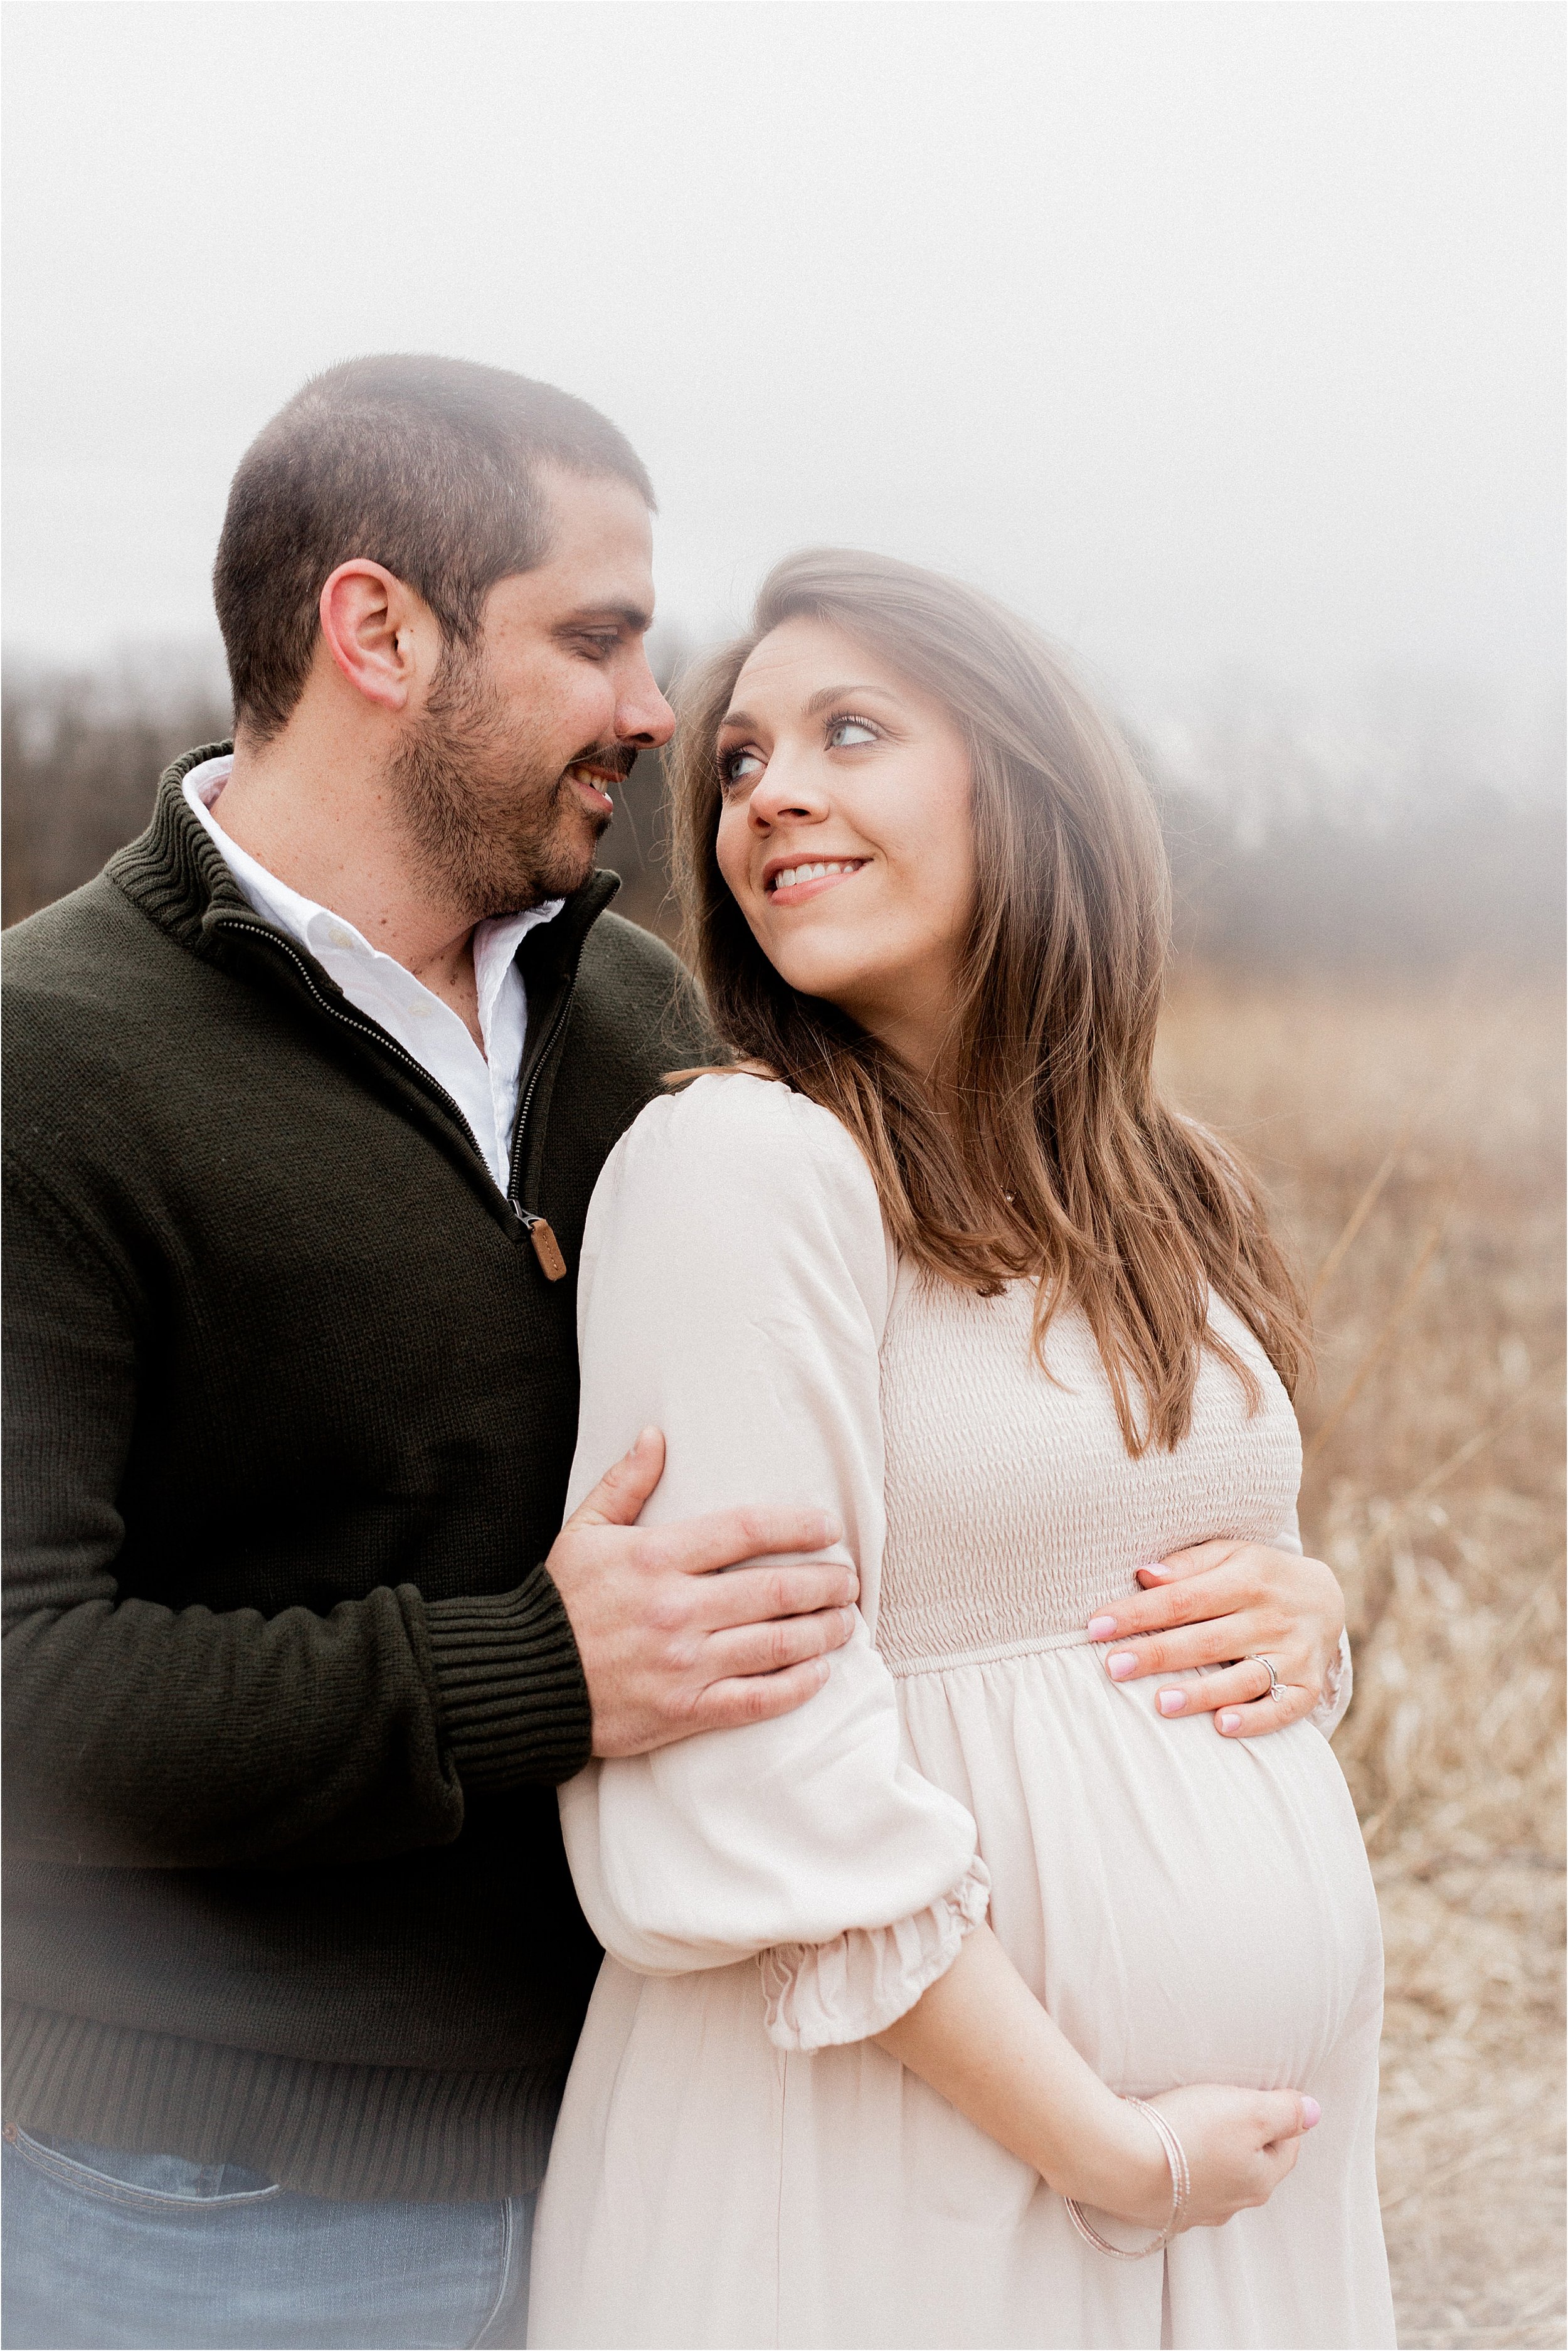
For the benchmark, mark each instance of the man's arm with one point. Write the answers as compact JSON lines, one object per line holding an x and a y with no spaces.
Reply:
{"x":138,"y":1734}
{"x":670,"y":1644}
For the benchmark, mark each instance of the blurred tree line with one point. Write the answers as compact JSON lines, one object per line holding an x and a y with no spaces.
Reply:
{"x":81,"y":756}
{"x":1404,"y":842}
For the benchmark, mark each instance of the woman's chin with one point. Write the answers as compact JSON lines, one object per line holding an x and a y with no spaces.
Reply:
{"x":834,"y":979}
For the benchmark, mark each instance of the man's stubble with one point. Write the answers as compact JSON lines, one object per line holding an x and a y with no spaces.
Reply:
{"x":493,"y":828}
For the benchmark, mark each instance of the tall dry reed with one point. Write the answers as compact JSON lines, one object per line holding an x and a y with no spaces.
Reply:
{"x":1412,"y":1141}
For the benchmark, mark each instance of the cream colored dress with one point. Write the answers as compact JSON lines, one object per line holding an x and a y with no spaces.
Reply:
{"x":736,"y":2163}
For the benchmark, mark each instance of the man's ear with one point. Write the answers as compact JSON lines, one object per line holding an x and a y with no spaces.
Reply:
{"x":372,"y":625}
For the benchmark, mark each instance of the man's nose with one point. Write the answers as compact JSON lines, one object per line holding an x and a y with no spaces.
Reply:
{"x":643,"y":717}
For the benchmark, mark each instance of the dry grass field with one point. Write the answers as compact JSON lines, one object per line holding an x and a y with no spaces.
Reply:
{"x":1411,"y":1138}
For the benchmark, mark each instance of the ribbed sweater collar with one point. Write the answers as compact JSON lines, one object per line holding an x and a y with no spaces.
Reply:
{"x":176,"y":874}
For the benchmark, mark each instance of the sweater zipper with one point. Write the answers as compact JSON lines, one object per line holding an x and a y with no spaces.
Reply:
{"x":547,"y":1249}
{"x":546,"y":1246}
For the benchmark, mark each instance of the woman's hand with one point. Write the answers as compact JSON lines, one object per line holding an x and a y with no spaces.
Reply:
{"x":1238,"y":2144}
{"x":1217,"y":1602}
{"x":984,"y":2043}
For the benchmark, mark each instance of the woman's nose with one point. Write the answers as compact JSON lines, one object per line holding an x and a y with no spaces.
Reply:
{"x":787,"y":792}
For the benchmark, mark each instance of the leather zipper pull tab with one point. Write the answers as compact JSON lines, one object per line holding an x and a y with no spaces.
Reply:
{"x":547,"y":1249}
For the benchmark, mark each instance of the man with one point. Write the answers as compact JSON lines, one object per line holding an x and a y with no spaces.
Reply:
{"x":296,"y":1195}
{"x":307,"y":1095}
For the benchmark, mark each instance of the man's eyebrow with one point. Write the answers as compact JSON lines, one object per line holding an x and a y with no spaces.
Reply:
{"x":635,"y":617}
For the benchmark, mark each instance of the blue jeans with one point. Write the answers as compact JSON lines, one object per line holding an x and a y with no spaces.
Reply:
{"x":103,"y":2249}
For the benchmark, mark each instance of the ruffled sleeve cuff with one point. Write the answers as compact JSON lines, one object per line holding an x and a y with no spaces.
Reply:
{"x":822,"y":1994}
{"x":1329,"y":1711}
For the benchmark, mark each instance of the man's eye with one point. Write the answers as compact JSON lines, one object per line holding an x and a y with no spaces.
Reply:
{"x":739,"y":767}
{"x":600,"y":647}
{"x":845,"y":732}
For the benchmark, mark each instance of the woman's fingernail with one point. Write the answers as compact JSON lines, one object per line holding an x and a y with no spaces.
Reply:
{"x":1123,"y":1663}
{"x":1100,"y":1628}
{"x":1228,"y":1719}
{"x":1311,"y":2114}
{"x":1172,"y":1701}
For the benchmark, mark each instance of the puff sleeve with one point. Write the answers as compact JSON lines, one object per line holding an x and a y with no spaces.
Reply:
{"x":734,"y":1282}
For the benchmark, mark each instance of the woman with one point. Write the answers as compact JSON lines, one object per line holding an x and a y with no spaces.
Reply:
{"x":887,"y":1977}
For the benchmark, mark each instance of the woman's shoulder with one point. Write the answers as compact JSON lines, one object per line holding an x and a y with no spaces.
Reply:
{"x":732,"y":1150}
{"x":731,"y":1116}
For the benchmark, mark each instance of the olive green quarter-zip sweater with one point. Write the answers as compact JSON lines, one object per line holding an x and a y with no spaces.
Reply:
{"x":291,"y":1408}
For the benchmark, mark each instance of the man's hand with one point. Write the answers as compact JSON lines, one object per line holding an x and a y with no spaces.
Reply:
{"x":1219,"y":1601}
{"x":670,"y":1646}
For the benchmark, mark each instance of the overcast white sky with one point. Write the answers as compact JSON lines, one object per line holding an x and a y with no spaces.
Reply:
{"x":1219,"y":339}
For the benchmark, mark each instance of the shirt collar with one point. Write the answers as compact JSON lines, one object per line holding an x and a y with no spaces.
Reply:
{"x":495,"y":942}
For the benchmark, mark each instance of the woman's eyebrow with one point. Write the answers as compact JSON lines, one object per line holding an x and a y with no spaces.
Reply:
{"x":822,"y":700}
{"x":831,"y":694}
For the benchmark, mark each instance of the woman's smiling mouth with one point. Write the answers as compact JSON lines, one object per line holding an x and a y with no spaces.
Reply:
{"x":801,"y":878}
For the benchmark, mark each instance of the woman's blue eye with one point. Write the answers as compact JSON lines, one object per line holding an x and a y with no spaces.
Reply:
{"x":739,"y":766}
{"x":845,"y":732}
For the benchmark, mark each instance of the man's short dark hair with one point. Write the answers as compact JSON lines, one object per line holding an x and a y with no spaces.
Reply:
{"x":427,"y":465}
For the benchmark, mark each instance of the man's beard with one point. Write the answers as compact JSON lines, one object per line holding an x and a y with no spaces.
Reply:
{"x":492,"y":827}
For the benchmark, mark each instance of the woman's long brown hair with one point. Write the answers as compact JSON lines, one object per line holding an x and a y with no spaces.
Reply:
{"x":1051,"y":1155}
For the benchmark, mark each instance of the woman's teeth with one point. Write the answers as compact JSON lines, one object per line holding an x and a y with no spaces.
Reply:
{"x":793,"y":873}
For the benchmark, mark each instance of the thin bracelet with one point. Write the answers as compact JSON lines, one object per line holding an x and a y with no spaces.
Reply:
{"x":1181,"y":2189}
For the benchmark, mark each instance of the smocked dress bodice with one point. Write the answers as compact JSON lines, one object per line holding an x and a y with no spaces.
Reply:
{"x":1014,"y":1511}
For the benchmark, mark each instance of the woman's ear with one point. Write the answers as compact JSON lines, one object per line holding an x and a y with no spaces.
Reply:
{"x":369,"y":620}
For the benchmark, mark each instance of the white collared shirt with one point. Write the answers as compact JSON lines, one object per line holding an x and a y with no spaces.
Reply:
{"x":484,"y":1085}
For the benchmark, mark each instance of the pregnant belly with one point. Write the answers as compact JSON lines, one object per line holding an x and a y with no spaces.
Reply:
{"x":1189,"y":1907}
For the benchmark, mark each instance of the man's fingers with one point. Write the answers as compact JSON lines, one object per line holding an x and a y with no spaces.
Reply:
{"x":726,"y":1706}
{"x":625,"y":1485}
{"x":773,"y":1647}
{"x":669,"y":1644}
{"x":750,"y":1595}
{"x":701,"y":1546}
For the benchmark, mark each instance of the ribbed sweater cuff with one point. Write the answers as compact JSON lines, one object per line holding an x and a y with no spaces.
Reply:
{"x":514,"y":1702}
